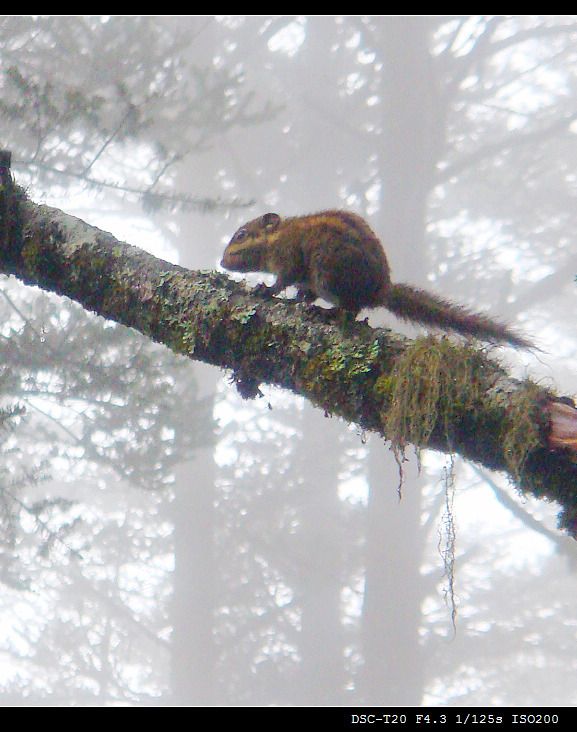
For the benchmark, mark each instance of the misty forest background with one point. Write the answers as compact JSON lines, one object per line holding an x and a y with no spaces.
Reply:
{"x":164,"y":541}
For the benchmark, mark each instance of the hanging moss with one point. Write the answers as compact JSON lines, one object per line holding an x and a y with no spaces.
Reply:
{"x":431,"y":381}
{"x":522,"y":430}
{"x":438,"y":389}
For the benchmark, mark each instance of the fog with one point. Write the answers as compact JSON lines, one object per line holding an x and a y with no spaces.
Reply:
{"x":166,"y":542}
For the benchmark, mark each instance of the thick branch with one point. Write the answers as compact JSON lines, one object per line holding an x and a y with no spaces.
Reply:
{"x":431,"y":392}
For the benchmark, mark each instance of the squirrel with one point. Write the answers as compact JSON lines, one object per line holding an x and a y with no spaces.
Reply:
{"x":335,"y":255}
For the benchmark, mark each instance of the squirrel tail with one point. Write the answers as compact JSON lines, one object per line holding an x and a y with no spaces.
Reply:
{"x":423,"y":307}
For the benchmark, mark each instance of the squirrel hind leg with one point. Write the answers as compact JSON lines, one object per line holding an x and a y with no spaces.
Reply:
{"x":306,"y":293}
{"x":352,"y":281}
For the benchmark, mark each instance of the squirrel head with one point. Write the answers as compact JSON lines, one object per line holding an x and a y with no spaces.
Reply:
{"x":246,"y":250}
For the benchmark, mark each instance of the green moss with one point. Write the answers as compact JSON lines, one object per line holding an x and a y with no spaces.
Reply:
{"x":32,"y":255}
{"x":437,"y":387}
{"x":431,"y":381}
{"x":383,"y":388}
{"x":521,"y":433}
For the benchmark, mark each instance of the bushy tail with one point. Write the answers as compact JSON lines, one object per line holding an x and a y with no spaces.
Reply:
{"x":421,"y":306}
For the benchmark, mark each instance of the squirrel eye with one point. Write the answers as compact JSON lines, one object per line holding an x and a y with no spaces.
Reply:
{"x":240,"y":234}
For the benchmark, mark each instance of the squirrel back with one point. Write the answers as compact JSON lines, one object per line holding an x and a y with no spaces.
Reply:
{"x":335,"y":255}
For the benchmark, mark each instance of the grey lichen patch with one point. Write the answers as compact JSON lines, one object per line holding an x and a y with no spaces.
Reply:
{"x":333,"y":376}
{"x":243,"y":314}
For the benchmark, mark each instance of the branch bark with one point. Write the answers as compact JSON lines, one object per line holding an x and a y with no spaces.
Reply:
{"x":431,"y":392}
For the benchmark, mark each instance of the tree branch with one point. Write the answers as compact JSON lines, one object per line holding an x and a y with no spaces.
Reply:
{"x":430,"y":392}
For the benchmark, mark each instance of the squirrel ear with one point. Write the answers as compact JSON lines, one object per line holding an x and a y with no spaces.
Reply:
{"x":271,"y":221}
